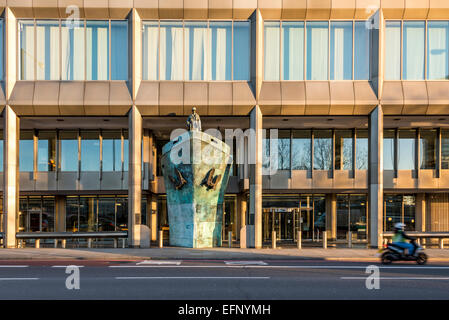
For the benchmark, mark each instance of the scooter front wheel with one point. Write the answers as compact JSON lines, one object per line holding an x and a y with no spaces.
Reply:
{"x":422,"y":258}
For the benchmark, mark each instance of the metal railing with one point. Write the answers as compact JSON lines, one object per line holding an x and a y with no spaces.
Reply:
{"x":37,"y":236}
{"x":421,"y":236}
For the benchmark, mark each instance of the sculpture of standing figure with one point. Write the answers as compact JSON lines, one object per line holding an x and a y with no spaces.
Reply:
{"x":193,"y":121}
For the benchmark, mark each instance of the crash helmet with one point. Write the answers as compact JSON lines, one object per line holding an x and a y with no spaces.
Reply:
{"x":399,"y":226}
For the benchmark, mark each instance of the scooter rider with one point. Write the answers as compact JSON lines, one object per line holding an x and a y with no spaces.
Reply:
{"x":399,"y":239}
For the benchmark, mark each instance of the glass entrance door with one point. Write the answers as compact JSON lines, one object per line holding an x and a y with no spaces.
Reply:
{"x":281,"y":220}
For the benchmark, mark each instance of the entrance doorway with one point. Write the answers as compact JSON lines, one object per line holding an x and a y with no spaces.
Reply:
{"x":285,"y":221}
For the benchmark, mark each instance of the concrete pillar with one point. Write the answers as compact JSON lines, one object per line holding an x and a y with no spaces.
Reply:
{"x":331,"y":216}
{"x":60,"y":214}
{"x":255,"y":180}
{"x":241,"y":219}
{"x":11,"y":129}
{"x":153,"y":217}
{"x":420,"y":217}
{"x":135,"y":178}
{"x":375,"y":177}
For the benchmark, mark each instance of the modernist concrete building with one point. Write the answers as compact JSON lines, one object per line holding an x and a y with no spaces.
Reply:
{"x":358,"y":91}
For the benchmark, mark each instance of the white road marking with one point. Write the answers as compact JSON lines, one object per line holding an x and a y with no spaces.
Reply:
{"x":14,"y":279}
{"x":12,"y":266}
{"x":67,"y":266}
{"x":142,"y":278}
{"x":246,"y":263}
{"x":159,"y":262}
{"x":278,"y":267}
{"x":395,"y":278}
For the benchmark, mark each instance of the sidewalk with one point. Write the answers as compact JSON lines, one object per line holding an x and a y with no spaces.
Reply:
{"x":332,"y":254}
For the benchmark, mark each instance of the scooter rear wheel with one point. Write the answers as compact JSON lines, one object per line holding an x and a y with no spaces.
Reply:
{"x":422,"y":258}
{"x":386,"y":258}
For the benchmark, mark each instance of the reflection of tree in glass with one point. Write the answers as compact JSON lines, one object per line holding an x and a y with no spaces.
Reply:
{"x":362,"y":154}
{"x":301,"y":154}
{"x":322,"y":154}
{"x":284,"y":154}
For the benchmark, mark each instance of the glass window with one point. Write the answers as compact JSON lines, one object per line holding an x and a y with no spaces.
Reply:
{"x":22,"y":219}
{"x":358,"y":216}
{"x":112,"y":151}
{"x":46,"y":151}
{"x":1,"y":150}
{"x":71,"y":218}
{"x":69,"y":150}
{"x":72,"y":50}
{"x":48,"y":214}
{"x":34,"y":214}
{"x":88,"y":214}
{"x":317,"y":50}
{"x":393,"y":211}
{"x":406,"y":152}
{"x":125,"y":151}
{"x":271,"y":48}
{"x":284,"y":149}
{"x":361,"y":150}
{"x":2,"y":46}
{"x":389,"y":149}
{"x":106,"y":214}
{"x":26,"y":159}
{"x":150,"y":50}
{"x":437,"y":50}
{"x":90,"y":151}
{"x":301,"y":149}
{"x":428,"y":149}
{"x":119,"y":50}
{"x":343,"y":150}
{"x":392,"y":50}
{"x":409,"y":212}
{"x":444,"y":149}
{"x":26,"y":50}
{"x":341,"y":51}
{"x":196,"y":53}
{"x":242,"y":50}
{"x":266,"y":150}
{"x":47,"y":50}
{"x":122,"y":213}
{"x":361,"y":51}
{"x":171,"y":50}
{"x":413,"y":46}
{"x":292,"y":50}
{"x":322,"y":150}
{"x":221,"y":50}
{"x":97,"y":49}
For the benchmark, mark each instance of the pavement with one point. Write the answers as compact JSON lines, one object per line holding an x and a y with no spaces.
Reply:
{"x":111,"y":254}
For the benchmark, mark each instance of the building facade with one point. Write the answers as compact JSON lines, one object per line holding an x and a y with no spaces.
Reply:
{"x":351,"y":97}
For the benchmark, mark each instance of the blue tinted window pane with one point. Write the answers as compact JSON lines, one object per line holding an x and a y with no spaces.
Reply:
{"x":341,"y":51}
{"x":69,"y":151}
{"x":125,"y":155}
{"x":272,"y":43}
{"x":97,"y":50}
{"x":242,"y":50}
{"x":437,"y":50}
{"x":301,"y":152}
{"x":112,"y":151}
{"x":1,"y":155}
{"x":90,"y":151}
{"x":361,"y":51}
{"x":171,"y":50}
{"x":26,"y":155}
{"x":46,"y":151}
{"x":150,"y":46}
{"x":72,"y":50}
{"x":317,"y":50}
{"x":196,"y":51}
{"x":389,"y":150}
{"x":322,"y":150}
{"x":292,"y":50}
{"x":413,"y":47}
{"x":221,"y":50}
{"x":406,"y":152}
{"x":26,"y":50}
{"x":392,"y":50}
{"x":119,"y":50}
{"x":47,"y":50}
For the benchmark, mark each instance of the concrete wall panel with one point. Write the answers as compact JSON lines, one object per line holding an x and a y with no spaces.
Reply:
{"x":220,"y":9}
{"x":427,"y":179}
{"x":119,"y":9}
{"x":301,"y":179}
{"x":317,"y":98}
{"x":96,"y":9}
{"x":46,"y":9}
{"x":196,"y":9}
{"x":171,"y":9}
{"x":322,"y":179}
{"x":96,"y":98}
{"x":111,"y":181}
{"x":393,"y":9}
{"x":71,"y":98}
{"x":416,"y":9}
{"x":147,"y":9}
{"x":343,"y":9}
{"x":26,"y":181}
{"x":270,"y":9}
{"x":46,"y":180}
{"x":366,"y":8}
{"x":343,"y":179}
{"x":46,"y":98}
{"x":21,"y":100}
{"x":64,"y":4}
{"x":318,"y":9}
{"x":438,"y":9}
{"x":270,"y":93}
{"x":361,"y":179}
{"x":341,"y":97}
{"x":220,"y":94}
{"x":392,"y":98}
{"x":171,"y":98}
{"x":21,"y":8}
{"x":243,"y":9}
{"x":195,"y":94}
{"x":120,"y":100}
{"x":294,"y":9}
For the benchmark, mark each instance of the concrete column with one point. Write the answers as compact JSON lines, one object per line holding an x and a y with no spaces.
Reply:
{"x":420,"y":217}
{"x":331,"y":216}
{"x":11,"y":125}
{"x":138,"y":234}
{"x":241,"y":220}
{"x":153,"y":217}
{"x":255,"y":180}
{"x":375,"y":179}
{"x":60,"y":214}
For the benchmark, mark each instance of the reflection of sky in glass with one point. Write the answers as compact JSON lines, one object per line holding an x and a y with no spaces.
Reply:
{"x":69,"y":155}
{"x":388,"y":153}
{"x":26,"y":155}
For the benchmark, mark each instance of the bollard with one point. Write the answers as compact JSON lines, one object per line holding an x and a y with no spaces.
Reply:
{"x":299,"y":237}
{"x":349,"y":239}
{"x":115,"y":243}
{"x":89,"y":243}
{"x":273,"y":239}
{"x":56,"y":243}
{"x":64,"y":242}
{"x":324,"y":239}
{"x":37,"y":243}
{"x":441,"y":243}
{"x":418,"y":241}
{"x":161,"y":238}
{"x":230,"y":239}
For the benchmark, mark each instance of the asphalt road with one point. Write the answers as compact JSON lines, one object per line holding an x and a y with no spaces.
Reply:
{"x":198,"y":280}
